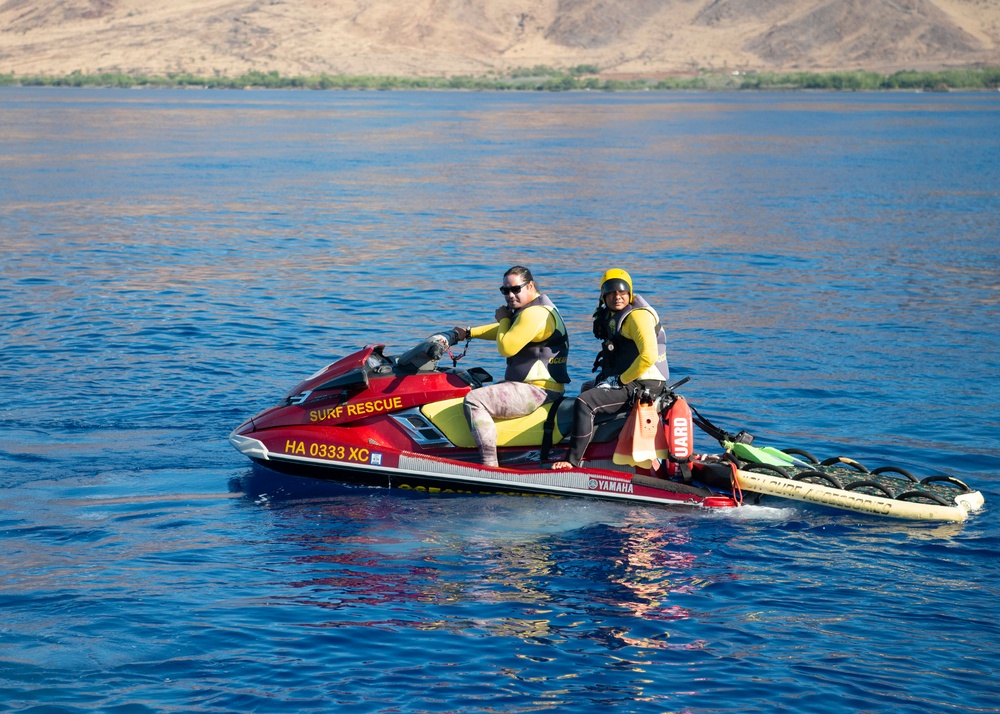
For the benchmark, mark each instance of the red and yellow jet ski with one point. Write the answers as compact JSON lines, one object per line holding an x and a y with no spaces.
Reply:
{"x":398,"y":422}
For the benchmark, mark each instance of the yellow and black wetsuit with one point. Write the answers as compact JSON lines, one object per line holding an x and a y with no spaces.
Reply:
{"x":535,"y":344}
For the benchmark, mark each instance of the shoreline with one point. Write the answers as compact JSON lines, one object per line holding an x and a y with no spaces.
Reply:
{"x":538,"y":79}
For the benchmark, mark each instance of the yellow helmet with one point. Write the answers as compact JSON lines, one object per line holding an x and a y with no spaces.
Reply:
{"x":616,"y":279}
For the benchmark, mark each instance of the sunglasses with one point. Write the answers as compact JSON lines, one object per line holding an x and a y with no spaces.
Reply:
{"x":516,"y":289}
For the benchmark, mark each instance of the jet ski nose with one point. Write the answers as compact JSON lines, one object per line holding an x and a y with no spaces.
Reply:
{"x":248,"y":447}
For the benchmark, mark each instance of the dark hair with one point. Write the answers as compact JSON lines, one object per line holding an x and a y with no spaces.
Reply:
{"x":521,"y":272}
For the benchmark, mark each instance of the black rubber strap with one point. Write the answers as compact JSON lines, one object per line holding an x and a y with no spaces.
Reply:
{"x":549,"y":428}
{"x":718,"y":434}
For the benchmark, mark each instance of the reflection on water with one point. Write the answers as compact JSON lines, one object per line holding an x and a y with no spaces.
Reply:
{"x":362,"y":549}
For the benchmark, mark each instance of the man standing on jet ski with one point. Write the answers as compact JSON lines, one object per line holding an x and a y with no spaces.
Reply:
{"x":633,"y":358}
{"x":530,"y":333}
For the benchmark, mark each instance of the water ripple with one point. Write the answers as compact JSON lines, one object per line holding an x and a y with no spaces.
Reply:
{"x":824,"y":266}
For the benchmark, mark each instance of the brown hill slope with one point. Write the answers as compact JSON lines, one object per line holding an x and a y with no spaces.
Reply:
{"x":446,"y":37}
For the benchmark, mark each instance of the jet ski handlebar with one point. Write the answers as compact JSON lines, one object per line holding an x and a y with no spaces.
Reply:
{"x":424,"y":356}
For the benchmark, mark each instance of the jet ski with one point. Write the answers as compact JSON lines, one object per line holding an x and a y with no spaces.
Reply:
{"x":397,"y":421}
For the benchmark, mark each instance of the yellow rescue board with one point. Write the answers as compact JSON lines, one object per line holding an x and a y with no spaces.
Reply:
{"x":772,"y":485}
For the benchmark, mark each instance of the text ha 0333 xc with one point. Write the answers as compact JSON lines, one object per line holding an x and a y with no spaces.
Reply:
{"x":376,"y":419}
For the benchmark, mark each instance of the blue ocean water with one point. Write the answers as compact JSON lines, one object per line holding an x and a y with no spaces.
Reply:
{"x":827,"y":270}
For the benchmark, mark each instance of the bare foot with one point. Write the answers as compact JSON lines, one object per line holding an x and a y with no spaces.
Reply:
{"x":561,"y":465}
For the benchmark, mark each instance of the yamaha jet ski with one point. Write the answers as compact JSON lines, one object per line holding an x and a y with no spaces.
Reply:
{"x":388,"y":421}
{"x":398,"y":421}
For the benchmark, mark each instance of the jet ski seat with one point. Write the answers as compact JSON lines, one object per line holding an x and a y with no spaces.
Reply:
{"x":449,"y":417}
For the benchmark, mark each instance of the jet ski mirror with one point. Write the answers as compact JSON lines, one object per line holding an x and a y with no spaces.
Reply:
{"x":354,"y":378}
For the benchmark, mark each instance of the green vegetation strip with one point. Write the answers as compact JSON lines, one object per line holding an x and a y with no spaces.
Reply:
{"x":582,"y":77}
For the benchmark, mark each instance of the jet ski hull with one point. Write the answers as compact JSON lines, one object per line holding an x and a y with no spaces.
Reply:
{"x":377,"y":466}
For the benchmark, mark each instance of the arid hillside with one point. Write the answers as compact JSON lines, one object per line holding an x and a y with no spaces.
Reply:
{"x":450,"y":37}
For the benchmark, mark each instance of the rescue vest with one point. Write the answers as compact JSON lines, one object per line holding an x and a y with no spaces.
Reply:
{"x":544,"y":361}
{"x":619,"y":352}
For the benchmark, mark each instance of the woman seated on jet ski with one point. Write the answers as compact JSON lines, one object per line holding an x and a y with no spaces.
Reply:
{"x":530,"y":333}
{"x":633,"y":358}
